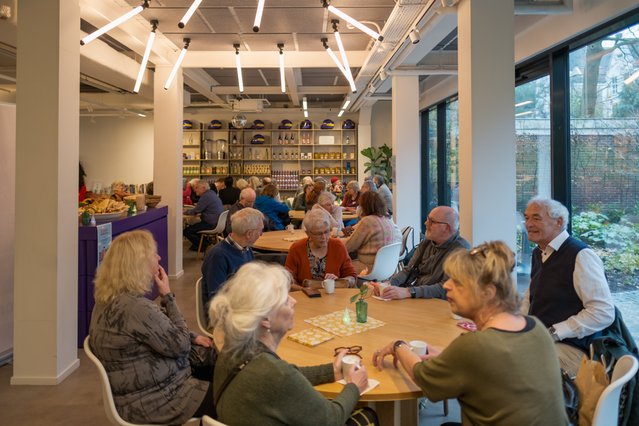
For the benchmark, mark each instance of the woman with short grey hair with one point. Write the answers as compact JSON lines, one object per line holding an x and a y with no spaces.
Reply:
{"x":326,"y":201}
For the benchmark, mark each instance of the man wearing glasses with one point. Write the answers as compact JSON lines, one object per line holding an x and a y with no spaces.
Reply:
{"x":424,"y":276}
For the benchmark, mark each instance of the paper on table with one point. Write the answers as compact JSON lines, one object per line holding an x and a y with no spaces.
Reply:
{"x":372,"y":384}
{"x":294,"y":238}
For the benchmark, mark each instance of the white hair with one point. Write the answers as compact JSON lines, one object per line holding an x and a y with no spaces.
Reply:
{"x":325,"y":197}
{"x":554,"y":209}
{"x":246,"y":219}
{"x":316,"y":218}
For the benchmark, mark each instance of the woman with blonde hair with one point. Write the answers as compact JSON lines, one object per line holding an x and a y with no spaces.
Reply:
{"x":241,"y":184}
{"x":255,"y":183}
{"x":253,"y":385}
{"x":151,"y":358}
{"x":506,"y":372}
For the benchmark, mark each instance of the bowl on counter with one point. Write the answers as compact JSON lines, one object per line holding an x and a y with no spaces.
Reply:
{"x":153,"y":200}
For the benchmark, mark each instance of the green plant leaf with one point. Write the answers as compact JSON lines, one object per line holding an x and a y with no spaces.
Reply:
{"x":354,"y":298}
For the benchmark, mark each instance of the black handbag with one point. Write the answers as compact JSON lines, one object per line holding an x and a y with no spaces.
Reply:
{"x":571,"y":398}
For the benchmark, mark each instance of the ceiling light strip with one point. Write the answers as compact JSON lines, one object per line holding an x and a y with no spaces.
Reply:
{"x":238,"y":65}
{"x":145,"y":58}
{"x":341,"y":112}
{"x":355,"y":23}
{"x":282,"y":77}
{"x":169,"y":80}
{"x":347,"y":67}
{"x":258,"y":16}
{"x":108,"y":27}
{"x":187,"y":16}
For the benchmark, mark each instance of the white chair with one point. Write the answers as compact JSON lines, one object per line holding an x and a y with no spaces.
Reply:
{"x":199,"y":309}
{"x":607,"y":411}
{"x":385,"y":263}
{"x":408,"y":240}
{"x":209,"y":421}
{"x":109,"y":405}
{"x":215,"y":232}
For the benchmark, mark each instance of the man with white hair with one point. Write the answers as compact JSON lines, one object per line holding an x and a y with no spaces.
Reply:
{"x":226,"y":257}
{"x":568,"y":289}
{"x":209,"y":206}
{"x":247,"y":199}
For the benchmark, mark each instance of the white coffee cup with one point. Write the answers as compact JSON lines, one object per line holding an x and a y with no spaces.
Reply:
{"x":349,"y":363}
{"x":329,"y":285}
{"x":334,"y":232}
{"x":455,"y":316}
{"x":290,"y":228}
{"x":383,"y":285}
{"x":419,"y":347}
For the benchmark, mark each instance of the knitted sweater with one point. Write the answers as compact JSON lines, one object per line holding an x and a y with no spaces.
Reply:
{"x":371,"y":234}
{"x":222,"y":261}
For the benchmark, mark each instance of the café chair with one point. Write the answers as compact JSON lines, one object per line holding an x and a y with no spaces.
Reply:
{"x":209,"y":421}
{"x":215,"y":233}
{"x":407,"y":238}
{"x":107,"y":397}
{"x":199,"y":310}
{"x":385,"y":263}
{"x":607,"y":410}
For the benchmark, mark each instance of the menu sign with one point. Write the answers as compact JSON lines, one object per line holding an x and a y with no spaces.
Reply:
{"x":104,"y":239}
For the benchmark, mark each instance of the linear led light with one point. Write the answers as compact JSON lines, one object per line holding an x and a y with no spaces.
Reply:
{"x":304,"y":103}
{"x":345,"y":64}
{"x":347,"y":102}
{"x":354,"y":22}
{"x":338,"y":64}
{"x":189,"y":13}
{"x":180,"y":58}
{"x":632,"y":78}
{"x":305,"y":114}
{"x":341,"y":112}
{"x":238,"y":65}
{"x":282,"y":78}
{"x":258,"y":15}
{"x":145,"y":58}
{"x":523,"y":113}
{"x":108,"y":27}
{"x":523,"y":103}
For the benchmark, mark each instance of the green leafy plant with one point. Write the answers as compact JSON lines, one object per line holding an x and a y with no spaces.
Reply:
{"x":380,"y":161}
{"x":363,"y":293}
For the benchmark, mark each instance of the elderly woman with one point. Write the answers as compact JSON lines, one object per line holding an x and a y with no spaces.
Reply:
{"x":119,"y":191}
{"x":351,"y":198}
{"x":241,"y":184}
{"x":300,"y":199}
{"x":326,"y":201}
{"x":147,"y":351}
{"x":319,"y":257}
{"x":255,"y":183}
{"x":253,"y":385}
{"x":505,"y":373}
{"x":275,"y":211}
{"x":374,"y":230}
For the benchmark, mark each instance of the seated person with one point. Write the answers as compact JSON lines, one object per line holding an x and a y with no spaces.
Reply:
{"x":319,"y":257}
{"x":374,"y":230}
{"x":247,"y":199}
{"x":254,"y":311}
{"x":300,"y":199}
{"x":189,"y":197}
{"x":384,"y":191}
{"x":326,"y":201}
{"x":274,"y":210}
{"x":147,"y":351}
{"x":225,"y":258}
{"x":229,"y":194}
{"x":210,"y":207}
{"x":568,"y":289}
{"x":424,"y":276}
{"x":119,"y":191}
{"x":312,"y":196}
{"x":505,"y":373}
{"x":351,"y":198}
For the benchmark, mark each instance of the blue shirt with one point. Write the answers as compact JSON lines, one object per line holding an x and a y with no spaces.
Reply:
{"x":210,"y":206}
{"x":220,"y":263}
{"x":273,"y":209}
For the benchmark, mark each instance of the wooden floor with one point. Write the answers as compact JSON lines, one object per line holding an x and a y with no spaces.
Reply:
{"x":78,"y":400}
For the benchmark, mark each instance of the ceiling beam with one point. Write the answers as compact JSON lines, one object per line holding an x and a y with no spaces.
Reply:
{"x":268,"y":59}
{"x":273,"y":90}
{"x":201,"y":81}
{"x":291,"y":85}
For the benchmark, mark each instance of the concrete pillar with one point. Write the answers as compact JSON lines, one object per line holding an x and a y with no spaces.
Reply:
{"x":167,"y":158}
{"x":46,"y":248}
{"x":364,"y":139}
{"x":486,"y":120}
{"x":406,"y":151}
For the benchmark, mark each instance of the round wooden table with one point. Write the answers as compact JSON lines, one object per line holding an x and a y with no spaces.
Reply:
{"x":395,"y":399}
{"x":279,"y":241}
{"x":299,"y":215}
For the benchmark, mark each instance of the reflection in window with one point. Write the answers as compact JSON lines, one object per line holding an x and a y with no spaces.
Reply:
{"x":452,"y":157}
{"x":532,"y":132}
{"x":604,"y":143}
{"x":432,"y":158}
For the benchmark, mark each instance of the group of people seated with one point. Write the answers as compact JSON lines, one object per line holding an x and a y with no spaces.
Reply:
{"x":505,"y":373}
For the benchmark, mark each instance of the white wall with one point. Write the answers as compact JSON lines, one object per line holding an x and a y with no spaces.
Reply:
{"x":381,"y":125}
{"x":116,"y":148}
{"x":7,"y":222}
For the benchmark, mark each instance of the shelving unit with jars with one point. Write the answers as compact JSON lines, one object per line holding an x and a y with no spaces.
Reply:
{"x":283,"y":154}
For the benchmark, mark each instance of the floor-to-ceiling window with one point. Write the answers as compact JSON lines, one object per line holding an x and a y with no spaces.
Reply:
{"x":604,"y":147}
{"x":452,"y":149}
{"x":432,"y":200}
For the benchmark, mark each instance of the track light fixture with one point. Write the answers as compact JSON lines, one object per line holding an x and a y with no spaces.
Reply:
{"x":280,"y":46}
{"x":145,"y":58}
{"x":354,"y":22}
{"x":108,"y":27}
{"x":187,"y":16}
{"x":338,"y":64}
{"x":180,"y":58}
{"x":258,"y":16}
{"x":238,"y":65}
{"x":345,"y":64}
{"x":382,"y":75}
{"x":414,"y":36}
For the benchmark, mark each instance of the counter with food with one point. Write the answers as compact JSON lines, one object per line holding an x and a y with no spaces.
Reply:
{"x":154,"y":220}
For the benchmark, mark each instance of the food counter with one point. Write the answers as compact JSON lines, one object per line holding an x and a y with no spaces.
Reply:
{"x":153,"y":219}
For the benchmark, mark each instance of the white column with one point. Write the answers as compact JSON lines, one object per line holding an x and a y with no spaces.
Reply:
{"x":406,"y":151}
{"x":46,"y":248}
{"x":486,"y":120}
{"x":364,"y":139}
{"x":167,"y":158}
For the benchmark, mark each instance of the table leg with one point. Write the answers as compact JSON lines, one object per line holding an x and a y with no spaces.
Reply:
{"x":397,"y":413}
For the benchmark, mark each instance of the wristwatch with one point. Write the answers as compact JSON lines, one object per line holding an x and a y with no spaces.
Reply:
{"x":412,"y":292}
{"x":397,"y":344}
{"x":553,"y":333}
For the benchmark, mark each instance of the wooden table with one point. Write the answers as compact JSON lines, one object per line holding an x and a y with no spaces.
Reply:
{"x":395,"y":399}
{"x":281,"y":241}
{"x":299,"y":215}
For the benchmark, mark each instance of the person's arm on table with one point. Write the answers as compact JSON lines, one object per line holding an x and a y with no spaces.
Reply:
{"x":400,"y":351}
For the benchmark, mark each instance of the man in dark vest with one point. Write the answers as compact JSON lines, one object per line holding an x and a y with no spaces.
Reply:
{"x":568,"y":290}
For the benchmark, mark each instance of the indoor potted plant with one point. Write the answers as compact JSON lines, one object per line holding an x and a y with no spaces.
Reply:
{"x":361,"y":306}
{"x":380,"y":161}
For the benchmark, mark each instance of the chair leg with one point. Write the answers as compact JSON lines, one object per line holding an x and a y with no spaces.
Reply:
{"x":445,"y":407}
{"x":199,"y":247}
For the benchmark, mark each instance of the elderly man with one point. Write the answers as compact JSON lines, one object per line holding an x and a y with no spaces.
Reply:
{"x":247,"y":199}
{"x":209,"y":206}
{"x":568,"y":289}
{"x":424,"y":276}
{"x":384,"y":191}
{"x":225,"y":258}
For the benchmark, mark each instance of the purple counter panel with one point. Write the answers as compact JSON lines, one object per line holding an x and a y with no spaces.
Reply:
{"x":153,"y":220}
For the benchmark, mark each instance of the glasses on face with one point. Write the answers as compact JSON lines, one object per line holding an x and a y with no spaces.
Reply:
{"x":350,"y":350}
{"x":435,"y":222}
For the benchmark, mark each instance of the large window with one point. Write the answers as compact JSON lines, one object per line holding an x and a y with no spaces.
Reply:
{"x":532,"y":130}
{"x":452,"y":149}
{"x":432,"y":159}
{"x":604,"y":146}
